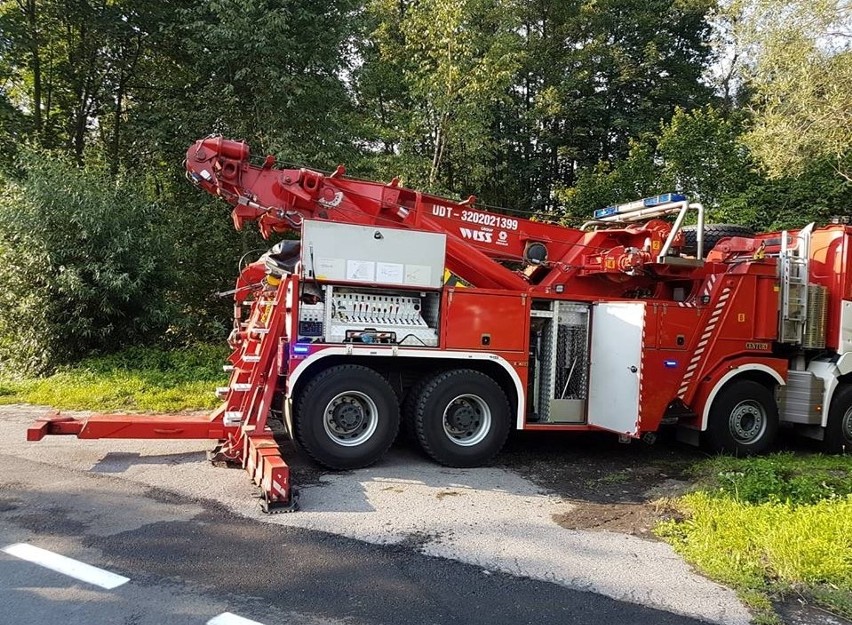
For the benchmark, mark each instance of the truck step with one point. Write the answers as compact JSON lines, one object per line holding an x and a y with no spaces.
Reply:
{"x":232,"y":418}
{"x":222,"y":392}
{"x":227,"y":368}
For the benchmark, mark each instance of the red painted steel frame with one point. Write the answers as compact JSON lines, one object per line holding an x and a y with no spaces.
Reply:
{"x":723,"y":298}
{"x":597,"y":263}
{"x":249,"y":443}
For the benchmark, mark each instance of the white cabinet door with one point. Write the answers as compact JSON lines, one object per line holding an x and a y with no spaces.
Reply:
{"x":616,"y":361}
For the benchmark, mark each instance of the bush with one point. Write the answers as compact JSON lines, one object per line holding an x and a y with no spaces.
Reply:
{"x":85,"y":264}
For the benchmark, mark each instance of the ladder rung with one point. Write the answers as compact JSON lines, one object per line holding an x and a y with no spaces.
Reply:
{"x":227,"y":368}
{"x":241,"y":387}
{"x":260,"y":330}
{"x":232,"y":417}
{"x":222,"y":392}
{"x":251,"y":358}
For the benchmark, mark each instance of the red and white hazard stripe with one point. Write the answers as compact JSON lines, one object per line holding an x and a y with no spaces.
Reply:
{"x":705,"y":292}
{"x":704,"y":341}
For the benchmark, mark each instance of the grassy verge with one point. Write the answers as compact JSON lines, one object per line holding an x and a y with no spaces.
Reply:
{"x":769,"y":526}
{"x":136,"y":379}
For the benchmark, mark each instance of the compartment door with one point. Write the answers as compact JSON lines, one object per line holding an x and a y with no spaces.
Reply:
{"x":616,"y":366}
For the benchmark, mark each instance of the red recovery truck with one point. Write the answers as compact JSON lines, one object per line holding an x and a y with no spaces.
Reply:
{"x":622,"y":325}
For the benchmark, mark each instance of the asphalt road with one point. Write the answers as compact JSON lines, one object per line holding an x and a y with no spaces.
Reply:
{"x":366,"y":550}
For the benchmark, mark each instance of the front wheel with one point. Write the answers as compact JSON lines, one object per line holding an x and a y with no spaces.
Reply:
{"x":743,"y":419}
{"x":838,"y":431}
{"x":462,"y":418}
{"x":346,"y":417}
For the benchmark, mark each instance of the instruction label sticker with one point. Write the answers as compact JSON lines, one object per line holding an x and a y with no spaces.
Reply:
{"x":361,"y":270}
{"x":392,"y":273}
{"x":418,"y":274}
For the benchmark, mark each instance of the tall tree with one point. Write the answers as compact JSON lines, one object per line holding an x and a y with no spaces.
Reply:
{"x":71,"y":65}
{"x":799,"y":67}
{"x":434,"y":72}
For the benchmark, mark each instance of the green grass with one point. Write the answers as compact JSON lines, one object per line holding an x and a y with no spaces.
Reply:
{"x":771,"y":525}
{"x":136,"y":379}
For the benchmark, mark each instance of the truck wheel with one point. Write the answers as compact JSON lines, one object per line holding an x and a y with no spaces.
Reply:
{"x":713,"y":233}
{"x":838,"y":430}
{"x":346,"y":417}
{"x":743,"y":419}
{"x":462,"y":418}
{"x":408,"y":427}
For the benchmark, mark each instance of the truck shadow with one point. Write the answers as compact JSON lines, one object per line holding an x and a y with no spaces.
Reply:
{"x":121,"y":461}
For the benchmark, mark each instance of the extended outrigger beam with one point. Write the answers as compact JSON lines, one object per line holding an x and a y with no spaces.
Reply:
{"x":240,"y":424}
{"x":258,"y":453}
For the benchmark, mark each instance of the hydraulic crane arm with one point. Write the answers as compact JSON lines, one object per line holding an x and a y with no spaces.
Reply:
{"x":477,"y":240}
{"x":278,"y":199}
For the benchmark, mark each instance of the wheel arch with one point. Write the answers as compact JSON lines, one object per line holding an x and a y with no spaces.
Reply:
{"x":757,"y":372}
{"x":422,"y":361}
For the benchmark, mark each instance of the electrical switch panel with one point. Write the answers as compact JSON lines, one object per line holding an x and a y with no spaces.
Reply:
{"x":351,"y":315}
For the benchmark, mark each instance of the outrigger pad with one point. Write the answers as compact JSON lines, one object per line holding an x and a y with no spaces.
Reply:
{"x":48,"y":424}
{"x":281,"y":507}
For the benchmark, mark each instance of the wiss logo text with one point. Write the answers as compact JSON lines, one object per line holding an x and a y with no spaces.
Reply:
{"x":476,"y":235}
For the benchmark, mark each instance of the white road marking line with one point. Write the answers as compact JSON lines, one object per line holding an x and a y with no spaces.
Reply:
{"x":226,"y":618}
{"x":67,"y":566}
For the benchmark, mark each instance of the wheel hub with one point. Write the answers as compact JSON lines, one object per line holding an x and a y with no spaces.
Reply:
{"x":350,"y":418}
{"x":747,"y":421}
{"x":846,"y":425}
{"x":461,"y":416}
{"x":467,"y":420}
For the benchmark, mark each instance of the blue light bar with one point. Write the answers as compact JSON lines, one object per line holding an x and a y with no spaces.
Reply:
{"x":301,"y":349}
{"x":665,"y":198}
{"x":605,"y":212}
{"x":648,"y":202}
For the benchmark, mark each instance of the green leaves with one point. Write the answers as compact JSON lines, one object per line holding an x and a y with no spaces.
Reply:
{"x":795,"y":70}
{"x":85,"y":265}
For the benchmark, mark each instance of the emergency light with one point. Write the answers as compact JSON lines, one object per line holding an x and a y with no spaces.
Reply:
{"x":648,"y":202}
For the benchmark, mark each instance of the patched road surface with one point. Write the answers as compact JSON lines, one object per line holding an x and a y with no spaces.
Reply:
{"x":405,"y":541}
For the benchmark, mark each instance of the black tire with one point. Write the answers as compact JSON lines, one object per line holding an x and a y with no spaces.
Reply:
{"x":713,"y":233}
{"x":408,"y":427}
{"x":462,"y":418}
{"x":838,"y":430}
{"x":743,"y":419}
{"x":347,"y":417}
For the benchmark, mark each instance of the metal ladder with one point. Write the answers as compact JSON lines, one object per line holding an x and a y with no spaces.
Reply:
{"x":794,"y":277}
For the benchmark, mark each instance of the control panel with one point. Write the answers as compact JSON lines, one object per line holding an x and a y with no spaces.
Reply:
{"x":354,"y":315}
{"x":311,"y":320}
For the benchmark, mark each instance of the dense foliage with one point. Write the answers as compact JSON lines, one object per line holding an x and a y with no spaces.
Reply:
{"x":81,"y":261}
{"x":551,"y":106}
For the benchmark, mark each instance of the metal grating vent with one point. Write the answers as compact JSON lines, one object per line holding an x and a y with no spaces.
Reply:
{"x":572,"y":366}
{"x":814,"y":334}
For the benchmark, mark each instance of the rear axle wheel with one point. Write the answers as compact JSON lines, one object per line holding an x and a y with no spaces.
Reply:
{"x":462,"y":418}
{"x":346,"y":417}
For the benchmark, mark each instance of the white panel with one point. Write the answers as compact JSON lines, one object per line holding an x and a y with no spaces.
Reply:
{"x":616,"y":361}
{"x":372,"y":254}
{"x":845,"y":343}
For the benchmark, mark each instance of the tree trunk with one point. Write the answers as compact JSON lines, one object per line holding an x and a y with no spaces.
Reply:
{"x":30,"y":12}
